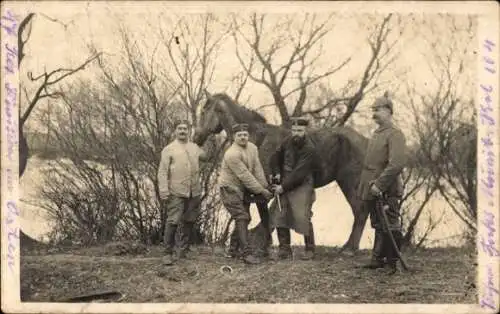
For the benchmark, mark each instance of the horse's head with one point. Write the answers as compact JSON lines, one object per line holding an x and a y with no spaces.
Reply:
{"x":212,"y":119}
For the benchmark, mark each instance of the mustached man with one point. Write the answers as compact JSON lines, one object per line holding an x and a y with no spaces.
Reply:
{"x":384,"y":161}
{"x":241,"y":175}
{"x":180,"y":189}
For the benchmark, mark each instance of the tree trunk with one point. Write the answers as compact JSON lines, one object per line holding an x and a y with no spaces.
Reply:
{"x":23,"y":152}
{"x":26,"y":241}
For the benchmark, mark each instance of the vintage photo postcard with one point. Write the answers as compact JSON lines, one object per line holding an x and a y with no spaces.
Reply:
{"x":250,"y":157}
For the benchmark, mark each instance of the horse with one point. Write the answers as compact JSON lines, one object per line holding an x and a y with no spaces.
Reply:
{"x":340,"y":149}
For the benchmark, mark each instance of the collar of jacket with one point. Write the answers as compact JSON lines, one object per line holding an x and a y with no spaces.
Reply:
{"x":384,"y":127}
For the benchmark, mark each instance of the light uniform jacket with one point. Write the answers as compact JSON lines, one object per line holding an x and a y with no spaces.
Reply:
{"x":241,"y":170}
{"x":179,"y":170}
{"x":384,"y":162}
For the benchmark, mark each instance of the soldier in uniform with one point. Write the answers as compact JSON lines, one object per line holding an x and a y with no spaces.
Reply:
{"x":293,"y":165}
{"x":241,"y":176}
{"x":180,"y":189}
{"x":384,"y":162}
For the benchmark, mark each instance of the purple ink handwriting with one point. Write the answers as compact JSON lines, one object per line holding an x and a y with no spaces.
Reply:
{"x":491,"y":291}
{"x":9,"y":27}
{"x":487,"y":155}
{"x":9,"y":24}
{"x":12,"y":233}
{"x":489,"y":63}
{"x":488,"y":244}
{"x":487,"y":234}
{"x":486,"y":106}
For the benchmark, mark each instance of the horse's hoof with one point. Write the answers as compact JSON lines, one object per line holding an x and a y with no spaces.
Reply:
{"x":347,"y":252}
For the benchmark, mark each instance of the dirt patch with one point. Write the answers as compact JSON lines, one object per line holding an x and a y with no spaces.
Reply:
{"x":441,"y":276}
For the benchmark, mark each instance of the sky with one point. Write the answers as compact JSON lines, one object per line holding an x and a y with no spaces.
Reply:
{"x":62,"y":32}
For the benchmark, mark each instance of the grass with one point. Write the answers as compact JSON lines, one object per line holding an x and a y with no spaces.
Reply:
{"x":444,"y":275}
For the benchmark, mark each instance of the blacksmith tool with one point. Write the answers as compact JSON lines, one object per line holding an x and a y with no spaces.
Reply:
{"x":276,"y":181}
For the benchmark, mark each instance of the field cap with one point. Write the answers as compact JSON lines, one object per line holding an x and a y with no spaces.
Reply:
{"x":383,"y":101}
{"x":239,"y":127}
{"x":181,"y":121}
{"x":300,"y":121}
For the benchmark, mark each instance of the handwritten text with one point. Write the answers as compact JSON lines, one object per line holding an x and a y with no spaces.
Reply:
{"x":12,"y":233}
{"x":9,"y":25}
{"x":487,"y":234}
{"x":10,"y":91}
{"x":488,"y":300}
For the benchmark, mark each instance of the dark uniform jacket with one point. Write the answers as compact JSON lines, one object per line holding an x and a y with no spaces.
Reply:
{"x":384,"y":162}
{"x":294,"y":164}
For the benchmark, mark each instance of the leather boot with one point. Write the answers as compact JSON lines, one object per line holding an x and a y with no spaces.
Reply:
{"x":185,"y":237}
{"x":234,"y":245}
{"x":285,"y":251}
{"x":309,"y":244}
{"x":392,"y":256}
{"x":377,"y":260}
{"x":248,"y":257}
{"x":169,"y":242}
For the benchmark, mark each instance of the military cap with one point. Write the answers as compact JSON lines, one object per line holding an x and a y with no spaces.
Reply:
{"x":300,"y":121}
{"x":383,"y":101}
{"x":238,"y":127}
{"x":181,"y":121}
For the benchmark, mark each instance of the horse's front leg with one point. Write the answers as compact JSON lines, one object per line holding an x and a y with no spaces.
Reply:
{"x":264,"y":216}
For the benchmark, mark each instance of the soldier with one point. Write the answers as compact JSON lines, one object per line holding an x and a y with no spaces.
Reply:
{"x":384,"y":162}
{"x":293,"y":165}
{"x":241,"y":175}
{"x":180,"y":189}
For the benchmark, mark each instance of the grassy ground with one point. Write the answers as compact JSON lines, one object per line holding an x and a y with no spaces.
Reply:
{"x":441,"y":276}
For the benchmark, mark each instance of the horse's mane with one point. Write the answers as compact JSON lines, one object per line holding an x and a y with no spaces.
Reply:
{"x":239,"y":112}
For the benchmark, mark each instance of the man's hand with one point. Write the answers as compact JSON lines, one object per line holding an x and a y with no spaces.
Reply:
{"x":268,"y":195}
{"x":277,"y":189}
{"x":277,"y":178}
{"x":375,"y":190}
{"x":274,"y":179}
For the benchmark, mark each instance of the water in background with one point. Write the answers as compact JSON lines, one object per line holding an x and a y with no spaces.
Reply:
{"x":332,"y":216}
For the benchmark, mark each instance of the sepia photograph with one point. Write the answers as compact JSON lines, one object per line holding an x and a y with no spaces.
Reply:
{"x":249,"y":153}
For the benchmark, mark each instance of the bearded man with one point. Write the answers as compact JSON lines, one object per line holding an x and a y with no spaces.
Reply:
{"x":293,"y":166}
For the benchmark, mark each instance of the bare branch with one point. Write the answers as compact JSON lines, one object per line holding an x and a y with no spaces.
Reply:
{"x":20,"y":41}
{"x":47,"y":82}
{"x":65,"y":25}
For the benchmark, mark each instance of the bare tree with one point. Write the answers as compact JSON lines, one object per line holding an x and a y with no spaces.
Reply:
{"x":302,"y":43}
{"x":445,"y":115}
{"x":192,"y":44}
{"x":46,"y":84}
{"x":121,"y":119}
{"x":419,"y":186}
